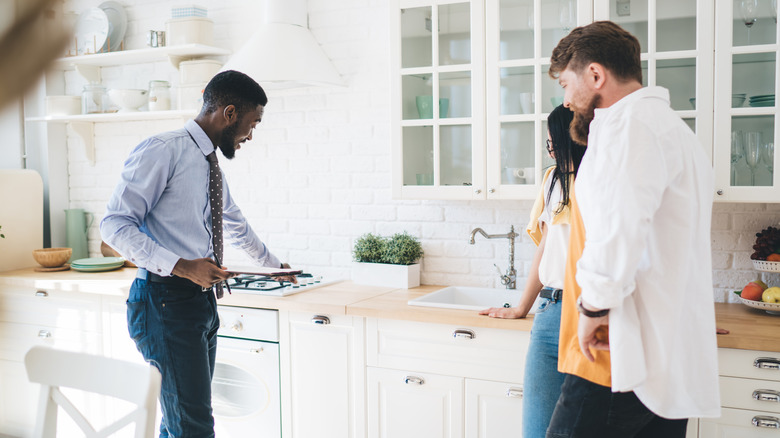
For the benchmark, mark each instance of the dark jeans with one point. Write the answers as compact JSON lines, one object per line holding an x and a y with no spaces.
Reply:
{"x":175,"y":328}
{"x":587,"y":410}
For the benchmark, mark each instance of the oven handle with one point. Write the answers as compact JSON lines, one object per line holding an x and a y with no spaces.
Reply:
{"x":320,"y":319}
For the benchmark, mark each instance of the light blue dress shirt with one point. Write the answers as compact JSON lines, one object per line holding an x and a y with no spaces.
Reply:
{"x":159,"y":212}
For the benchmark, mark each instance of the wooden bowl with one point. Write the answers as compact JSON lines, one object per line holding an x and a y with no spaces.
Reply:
{"x":52,"y":257}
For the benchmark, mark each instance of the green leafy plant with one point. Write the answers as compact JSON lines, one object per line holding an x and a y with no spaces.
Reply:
{"x":400,"y":249}
{"x":2,"y":236}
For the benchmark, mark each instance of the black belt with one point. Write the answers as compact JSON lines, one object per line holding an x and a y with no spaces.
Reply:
{"x":551,"y":294}
{"x":173,"y":280}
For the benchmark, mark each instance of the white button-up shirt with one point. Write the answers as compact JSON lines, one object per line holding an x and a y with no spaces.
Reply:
{"x":645,"y":189}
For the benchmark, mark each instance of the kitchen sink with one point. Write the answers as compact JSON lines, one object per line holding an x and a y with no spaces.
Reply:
{"x":468,"y":298}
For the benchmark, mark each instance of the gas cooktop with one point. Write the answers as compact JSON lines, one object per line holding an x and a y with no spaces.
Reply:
{"x":262,"y":285}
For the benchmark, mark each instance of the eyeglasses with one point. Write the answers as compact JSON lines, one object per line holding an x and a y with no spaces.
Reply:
{"x":549,"y":146}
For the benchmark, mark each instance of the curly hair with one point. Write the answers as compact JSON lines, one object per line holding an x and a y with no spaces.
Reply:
{"x":602,"y":42}
{"x":232,"y":88}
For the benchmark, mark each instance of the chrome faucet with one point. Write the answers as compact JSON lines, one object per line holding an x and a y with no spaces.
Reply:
{"x":510,"y":278}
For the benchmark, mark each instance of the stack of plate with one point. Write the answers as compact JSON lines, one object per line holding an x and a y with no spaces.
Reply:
{"x":762,"y":100}
{"x":97,"y":264}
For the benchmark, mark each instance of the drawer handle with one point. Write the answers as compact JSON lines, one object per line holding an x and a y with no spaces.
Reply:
{"x":766,"y":395}
{"x":413,"y":379}
{"x":767,"y":363}
{"x":322,"y":320}
{"x":766,"y":421}
{"x":41,"y":293}
{"x":43,"y":334}
{"x":256,"y":350}
{"x":514,"y":393}
{"x":463,"y":333}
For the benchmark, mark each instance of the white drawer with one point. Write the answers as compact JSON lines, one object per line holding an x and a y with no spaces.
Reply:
{"x":54,"y":308}
{"x":480,"y":353}
{"x":17,"y":339}
{"x":741,"y":393}
{"x":737,"y":423}
{"x":748,"y":363}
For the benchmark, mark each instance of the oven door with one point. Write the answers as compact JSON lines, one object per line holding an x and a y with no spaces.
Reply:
{"x":245,"y":389}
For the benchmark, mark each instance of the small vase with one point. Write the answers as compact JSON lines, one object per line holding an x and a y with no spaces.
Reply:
{"x":382,"y":274}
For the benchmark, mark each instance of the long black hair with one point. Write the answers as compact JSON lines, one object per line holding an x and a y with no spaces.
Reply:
{"x":568,"y":154}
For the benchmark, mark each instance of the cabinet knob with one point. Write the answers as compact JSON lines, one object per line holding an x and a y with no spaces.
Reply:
{"x":767,"y":363}
{"x":237,"y":327}
{"x":256,"y":350}
{"x":766,"y":395}
{"x":319,"y":319}
{"x":514,"y":393}
{"x":492,"y":191}
{"x":43,"y":334}
{"x":477,"y":191}
{"x":720,"y":192}
{"x":463,"y":333}
{"x":413,"y":379}
{"x":766,"y":421}
{"x":41,"y":293}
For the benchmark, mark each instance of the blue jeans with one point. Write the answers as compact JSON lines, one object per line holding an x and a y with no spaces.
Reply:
{"x":542,"y":383}
{"x":588,"y":410}
{"x":175,"y":329}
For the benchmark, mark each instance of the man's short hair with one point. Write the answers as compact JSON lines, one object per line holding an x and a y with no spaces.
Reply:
{"x":602,"y":42}
{"x":233,"y":88}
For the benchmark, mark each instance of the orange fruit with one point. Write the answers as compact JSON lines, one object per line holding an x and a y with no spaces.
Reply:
{"x":773,"y":257}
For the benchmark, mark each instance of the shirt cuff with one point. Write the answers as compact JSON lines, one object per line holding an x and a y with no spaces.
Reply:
{"x":162,"y":262}
{"x":598,"y":291}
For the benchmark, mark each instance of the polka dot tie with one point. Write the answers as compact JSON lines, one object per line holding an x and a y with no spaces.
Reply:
{"x":215,"y":198}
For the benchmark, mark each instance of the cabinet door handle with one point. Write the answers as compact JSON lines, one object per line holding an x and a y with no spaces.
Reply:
{"x":477,"y":191}
{"x":767,"y":363}
{"x":514,"y":392}
{"x":766,"y":395}
{"x":319,"y":319}
{"x":463,"y":333}
{"x":43,"y":334}
{"x":413,"y":379}
{"x":41,"y":293}
{"x":766,"y":421}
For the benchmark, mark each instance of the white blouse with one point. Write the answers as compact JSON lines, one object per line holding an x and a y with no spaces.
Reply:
{"x":552,"y":266}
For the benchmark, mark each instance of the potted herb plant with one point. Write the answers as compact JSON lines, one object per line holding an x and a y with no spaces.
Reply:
{"x":382,"y":261}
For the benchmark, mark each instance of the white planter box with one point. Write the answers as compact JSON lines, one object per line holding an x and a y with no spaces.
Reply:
{"x":380,"y":274}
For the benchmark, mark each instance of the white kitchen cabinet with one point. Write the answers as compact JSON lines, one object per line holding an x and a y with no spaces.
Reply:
{"x":326,"y":380}
{"x":493,"y":409}
{"x":737,"y":423}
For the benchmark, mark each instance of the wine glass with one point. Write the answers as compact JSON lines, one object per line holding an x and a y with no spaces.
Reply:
{"x":568,"y":14}
{"x":752,"y":151}
{"x":768,"y":156}
{"x":737,"y":140}
{"x":749,"y":15}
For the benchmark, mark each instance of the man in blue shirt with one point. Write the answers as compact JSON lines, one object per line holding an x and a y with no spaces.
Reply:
{"x":160,"y":218}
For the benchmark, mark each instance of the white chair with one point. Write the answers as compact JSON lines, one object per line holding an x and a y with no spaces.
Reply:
{"x":55,"y":369}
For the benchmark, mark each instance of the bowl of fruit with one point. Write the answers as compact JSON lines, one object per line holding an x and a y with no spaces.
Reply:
{"x":766,"y":250}
{"x":757,"y":295}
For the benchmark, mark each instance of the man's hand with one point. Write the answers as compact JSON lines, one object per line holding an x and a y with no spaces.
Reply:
{"x":291,"y":278}
{"x":592,"y":333}
{"x":204,"y":272}
{"x":503,"y":312}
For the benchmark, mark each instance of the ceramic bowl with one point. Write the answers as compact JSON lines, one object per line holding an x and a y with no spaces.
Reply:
{"x":52,"y":257}
{"x":128,"y":99}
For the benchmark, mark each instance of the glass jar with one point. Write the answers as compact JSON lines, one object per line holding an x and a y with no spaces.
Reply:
{"x":159,"y":96}
{"x":94,"y":99}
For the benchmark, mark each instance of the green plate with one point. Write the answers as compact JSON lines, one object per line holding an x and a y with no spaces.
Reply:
{"x":760,"y":99}
{"x":95,"y":268}
{"x":762,"y":96}
{"x":97,"y":261}
{"x":762,"y":104}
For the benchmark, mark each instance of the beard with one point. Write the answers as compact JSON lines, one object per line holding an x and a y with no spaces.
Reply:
{"x":227,"y":141}
{"x":580,"y":126}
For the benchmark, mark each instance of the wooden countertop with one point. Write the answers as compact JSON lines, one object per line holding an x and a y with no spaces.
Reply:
{"x":750,"y":329}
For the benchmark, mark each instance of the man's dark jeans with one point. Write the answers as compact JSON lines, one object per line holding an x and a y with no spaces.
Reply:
{"x":175,"y":328}
{"x":588,"y":410}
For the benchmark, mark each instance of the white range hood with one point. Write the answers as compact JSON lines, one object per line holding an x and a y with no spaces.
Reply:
{"x":283,"y":53}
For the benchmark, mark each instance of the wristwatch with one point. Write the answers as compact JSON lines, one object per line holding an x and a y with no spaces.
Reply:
{"x":590,"y":313}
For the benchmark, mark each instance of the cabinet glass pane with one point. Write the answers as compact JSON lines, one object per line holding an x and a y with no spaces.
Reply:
{"x":755,"y":22}
{"x":558,"y":18}
{"x":753,"y":79}
{"x":455,"y":94}
{"x":517,"y":152}
{"x":679,"y":77}
{"x":516,"y":23}
{"x":547,"y":160}
{"x":417,"y":94}
{"x":631,"y":22}
{"x":454,"y":34}
{"x":418,"y":155}
{"x":752,"y":150}
{"x":691,"y":124}
{"x":416,"y":37}
{"x":517,"y":90}
{"x":675,"y":25}
{"x":455,"y":151}
{"x":552,"y":93}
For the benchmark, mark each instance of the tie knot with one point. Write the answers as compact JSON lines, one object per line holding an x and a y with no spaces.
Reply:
{"x":212,"y":157}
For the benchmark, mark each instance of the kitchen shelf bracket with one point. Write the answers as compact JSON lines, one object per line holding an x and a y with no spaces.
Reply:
{"x":89,"y":72}
{"x":86,"y":131}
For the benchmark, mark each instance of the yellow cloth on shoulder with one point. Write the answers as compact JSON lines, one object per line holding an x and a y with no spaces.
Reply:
{"x":534,"y":229}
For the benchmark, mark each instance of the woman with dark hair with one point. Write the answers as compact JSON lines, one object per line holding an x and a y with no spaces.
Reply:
{"x":549,"y":229}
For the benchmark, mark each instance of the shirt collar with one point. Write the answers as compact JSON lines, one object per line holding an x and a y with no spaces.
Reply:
{"x":642,"y":93}
{"x":199,"y":135}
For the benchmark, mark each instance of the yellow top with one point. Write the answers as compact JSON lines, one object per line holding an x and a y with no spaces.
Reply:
{"x":533,"y":229}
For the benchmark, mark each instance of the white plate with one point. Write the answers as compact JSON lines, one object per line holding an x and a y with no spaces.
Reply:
{"x":91,"y":31}
{"x":117,"y":25}
{"x":763,"y":265}
{"x":771,"y":308}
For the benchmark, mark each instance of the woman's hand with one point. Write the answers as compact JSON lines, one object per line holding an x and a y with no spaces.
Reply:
{"x":503,"y":312}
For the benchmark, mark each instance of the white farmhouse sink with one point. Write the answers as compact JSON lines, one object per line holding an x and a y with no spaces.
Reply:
{"x":468,"y":298}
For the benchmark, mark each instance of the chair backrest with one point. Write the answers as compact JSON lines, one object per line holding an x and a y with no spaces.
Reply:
{"x":55,"y":369}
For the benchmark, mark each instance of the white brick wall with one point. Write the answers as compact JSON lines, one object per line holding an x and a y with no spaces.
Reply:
{"x":317,"y":173}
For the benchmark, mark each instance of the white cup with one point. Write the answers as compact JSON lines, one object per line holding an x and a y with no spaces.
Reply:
{"x":512,"y":175}
{"x":526,"y":173}
{"x":527,"y":102}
